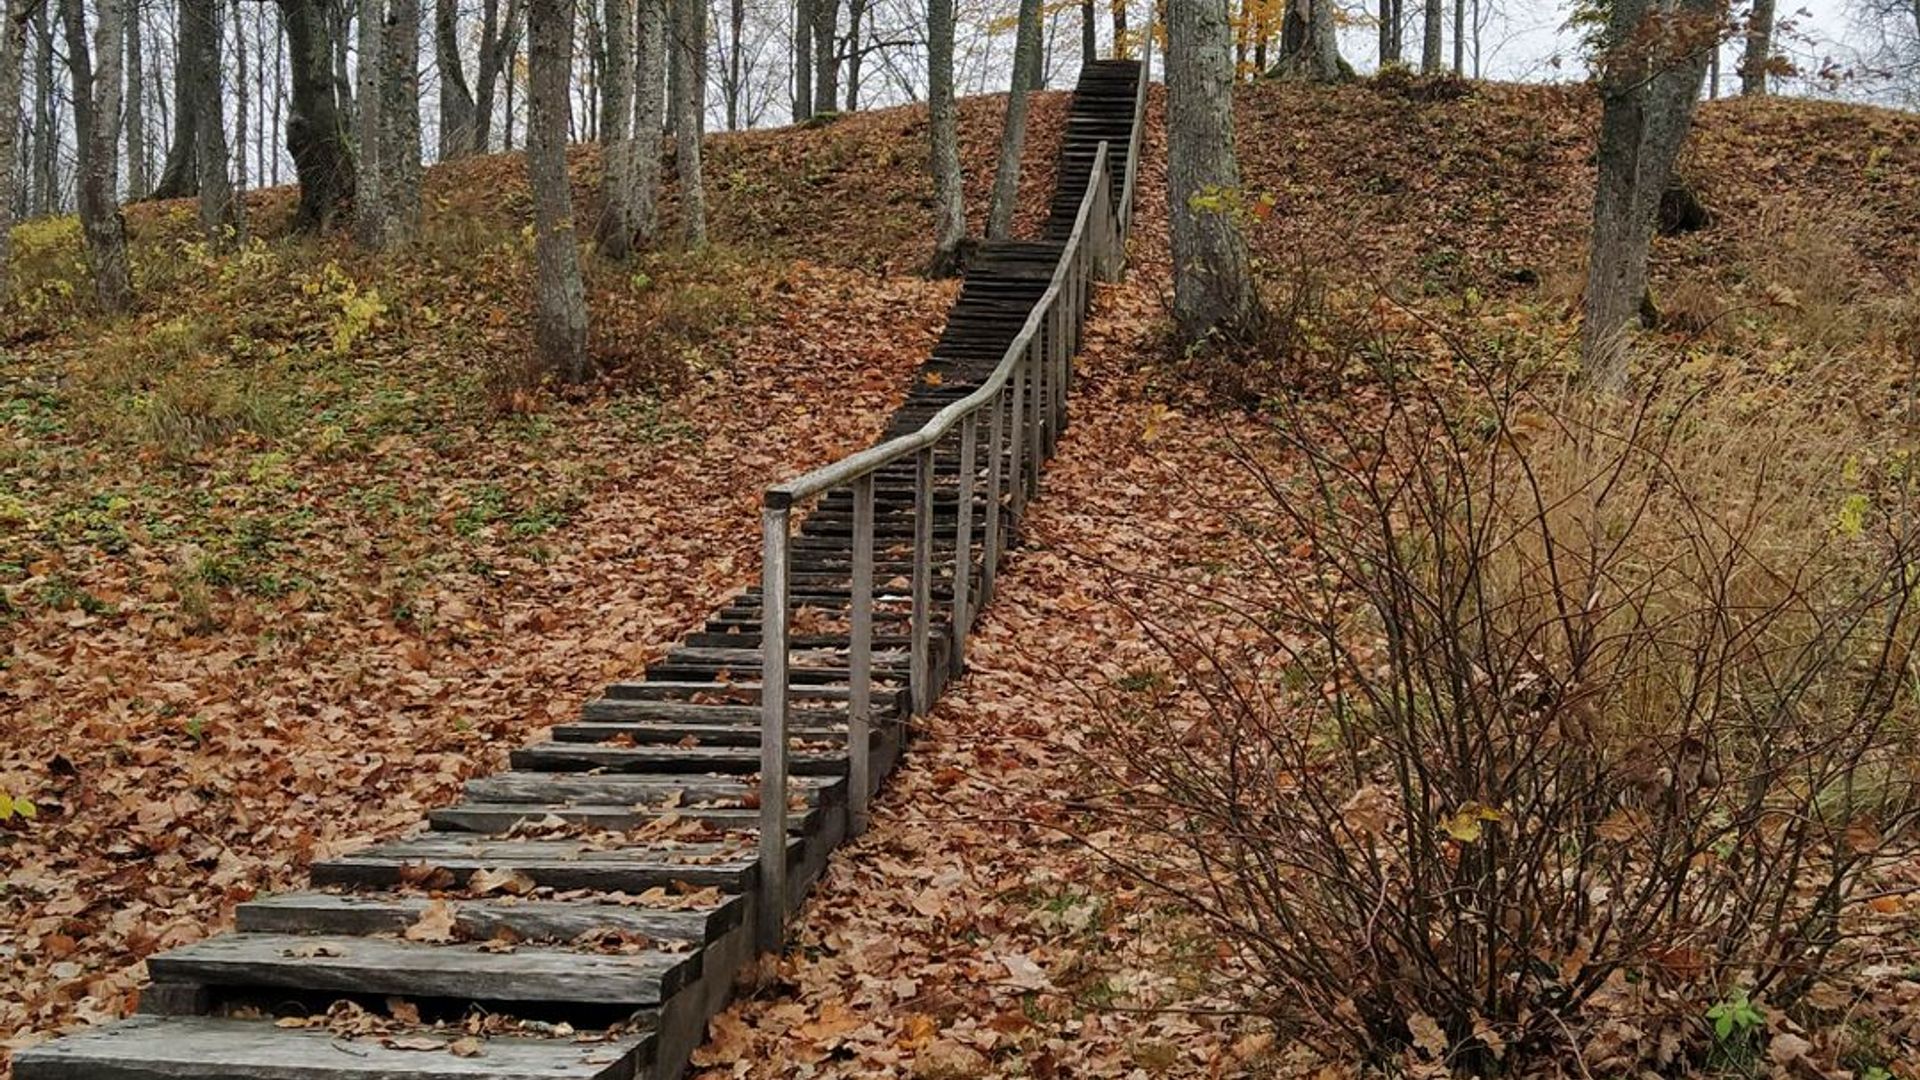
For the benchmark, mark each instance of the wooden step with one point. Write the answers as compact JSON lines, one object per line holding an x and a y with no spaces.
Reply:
{"x":480,"y":920}
{"x":581,"y":757}
{"x":503,"y":817}
{"x":558,"y":864}
{"x":800,"y":727}
{"x":410,"y":969}
{"x":206,"y":1048}
{"x":660,"y":792}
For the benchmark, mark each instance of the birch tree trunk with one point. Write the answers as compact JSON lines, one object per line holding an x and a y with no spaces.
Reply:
{"x":949,"y":192}
{"x":1013,"y":136}
{"x":400,"y":122}
{"x":615,"y":234}
{"x":136,"y":107}
{"x":688,"y":46}
{"x":1213,"y":281}
{"x":13,"y":55}
{"x":180,"y":174}
{"x":456,"y":98}
{"x":649,"y":118}
{"x":560,"y":317}
{"x":1759,"y":51}
{"x":96,"y":114}
{"x":1648,"y":96}
{"x":219,"y":210}
{"x":1431,"y":44}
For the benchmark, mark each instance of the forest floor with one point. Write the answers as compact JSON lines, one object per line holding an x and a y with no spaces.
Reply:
{"x":293,"y":552}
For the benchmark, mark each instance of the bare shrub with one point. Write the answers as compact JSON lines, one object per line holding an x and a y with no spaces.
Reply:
{"x":1539,"y":724}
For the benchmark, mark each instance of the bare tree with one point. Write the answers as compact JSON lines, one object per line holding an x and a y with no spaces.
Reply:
{"x":13,"y":53}
{"x":400,"y":166}
{"x":219,"y":209}
{"x":499,"y":42}
{"x":240,"y":178}
{"x":1759,"y":49}
{"x":826,"y":58}
{"x":949,"y":191}
{"x":369,"y":196}
{"x":1213,"y":278}
{"x":1431,"y":59}
{"x":136,"y":105}
{"x":1392,"y":27}
{"x":180,"y":173}
{"x":560,"y":318}
{"x":456,"y":97}
{"x":615,"y":234}
{"x":649,"y":118}
{"x":1310,"y":45}
{"x":96,"y":115}
{"x":803,"y":18}
{"x":1651,"y":68}
{"x":1013,"y":137}
{"x":688,"y":47}
{"x":1089,"y":33}
{"x":316,"y":140}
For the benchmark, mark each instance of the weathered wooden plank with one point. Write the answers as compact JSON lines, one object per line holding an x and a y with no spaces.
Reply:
{"x":587,"y":757}
{"x":378,"y":965}
{"x":693,"y":791}
{"x":800,"y":727}
{"x":560,"y":864}
{"x":205,"y":1048}
{"x":480,"y":920}
{"x":498,"y":818}
{"x":612,"y":710}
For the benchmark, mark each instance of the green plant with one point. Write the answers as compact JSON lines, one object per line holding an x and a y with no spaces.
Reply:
{"x":1735,"y":1019}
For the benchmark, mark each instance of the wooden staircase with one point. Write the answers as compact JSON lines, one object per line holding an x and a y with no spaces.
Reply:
{"x":604,"y":892}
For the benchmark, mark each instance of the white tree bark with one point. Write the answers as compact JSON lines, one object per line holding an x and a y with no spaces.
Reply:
{"x":1013,"y":136}
{"x":560,"y":317}
{"x":1648,"y":95}
{"x":1212,"y":273}
{"x":949,"y":192}
{"x":400,"y":165}
{"x":688,"y":46}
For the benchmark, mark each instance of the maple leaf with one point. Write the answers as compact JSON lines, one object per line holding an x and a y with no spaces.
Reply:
{"x":435,"y":924}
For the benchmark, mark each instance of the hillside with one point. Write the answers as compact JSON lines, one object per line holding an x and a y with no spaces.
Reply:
{"x":299,"y":547}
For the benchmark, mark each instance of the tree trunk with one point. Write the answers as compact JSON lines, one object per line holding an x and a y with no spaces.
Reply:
{"x":316,"y":131}
{"x":240,"y":179}
{"x":857,"y":13}
{"x":180,"y":175}
{"x":688,"y":45}
{"x":400,"y":165}
{"x":1013,"y":136}
{"x":137,"y":180}
{"x":826,"y":62}
{"x":1389,"y":34}
{"x":1213,"y":280}
{"x":13,"y":54}
{"x":803,"y":18}
{"x":1647,"y":106}
{"x":560,"y":318}
{"x":96,"y":114}
{"x":219,"y":210}
{"x":615,"y":233}
{"x":498,"y":43}
{"x":1310,"y":45}
{"x":369,"y":193}
{"x":1431,"y":45}
{"x":649,"y":118}
{"x":45,"y":130}
{"x":456,"y":97}
{"x":736,"y":61}
{"x":949,"y":190}
{"x":1459,"y":37}
{"x":1120,"y":48}
{"x":1759,"y":51}
{"x":1089,"y":32}
{"x":340,"y":16}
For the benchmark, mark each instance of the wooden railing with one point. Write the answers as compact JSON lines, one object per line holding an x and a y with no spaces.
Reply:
{"x":1022,"y":407}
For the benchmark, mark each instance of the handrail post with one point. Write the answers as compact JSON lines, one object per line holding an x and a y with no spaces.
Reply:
{"x":1017,"y":439}
{"x":996,"y":448}
{"x":773,"y":728}
{"x":963,"y":548}
{"x":919,"y":664}
{"x":1036,"y":435}
{"x":860,"y":660}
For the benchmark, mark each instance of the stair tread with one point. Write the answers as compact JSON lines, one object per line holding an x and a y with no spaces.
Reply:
{"x":533,"y":920}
